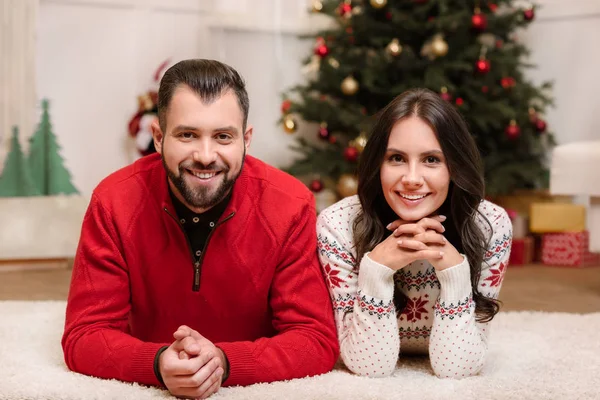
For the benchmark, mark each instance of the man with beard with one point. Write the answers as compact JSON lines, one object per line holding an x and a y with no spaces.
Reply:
{"x":197,"y":265}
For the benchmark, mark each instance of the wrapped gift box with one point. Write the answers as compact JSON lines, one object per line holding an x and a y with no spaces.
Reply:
{"x":522,"y":251}
{"x":568,"y":249}
{"x":556,"y":217}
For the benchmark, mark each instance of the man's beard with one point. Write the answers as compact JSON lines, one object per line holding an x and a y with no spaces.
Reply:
{"x":201,"y":197}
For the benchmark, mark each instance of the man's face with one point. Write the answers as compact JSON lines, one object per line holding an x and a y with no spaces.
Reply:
{"x":203,"y":148}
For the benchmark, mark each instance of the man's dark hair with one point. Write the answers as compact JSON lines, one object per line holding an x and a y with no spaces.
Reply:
{"x":208,"y":78}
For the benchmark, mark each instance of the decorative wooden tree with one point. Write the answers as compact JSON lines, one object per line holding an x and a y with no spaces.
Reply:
{"x":45,"y":163}
{"x":16,"y":179}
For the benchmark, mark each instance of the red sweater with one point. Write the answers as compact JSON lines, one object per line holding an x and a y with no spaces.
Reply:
{"x":261,"y":296}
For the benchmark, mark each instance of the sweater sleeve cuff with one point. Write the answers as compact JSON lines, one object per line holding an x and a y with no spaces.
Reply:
{"x":376,"y":279}
{"x":157,"y":365}
{"x":241,"y":361}
{"x":455,"y":282}
{"x":143,"y":363}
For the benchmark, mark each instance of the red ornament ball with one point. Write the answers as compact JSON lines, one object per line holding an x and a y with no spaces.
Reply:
{"x":493,"y":7}
{"x":485,"y":89}
{"x":483,"y":66}
{"x":459,"y":101}
{"x":285,"y":106}
{"x":316,"y":185}
{"x":446,"y":96}
{"x":499,"y":43}
{"x":345,"y":9}
{"x":324,"y":133}
{"x":540,"y":125}
{"x":508,"y":82}
{"x":322,"y":50}
{"x":528,"y":14}
{"x":512,"y":131}
{"x":479,"y":22}
{"x":351,"y":154}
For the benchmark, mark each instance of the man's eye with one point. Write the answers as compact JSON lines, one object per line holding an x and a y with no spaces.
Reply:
{"x":187,"y":135}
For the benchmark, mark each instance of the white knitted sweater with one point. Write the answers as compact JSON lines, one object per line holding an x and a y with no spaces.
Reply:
{"x":439,"y":318}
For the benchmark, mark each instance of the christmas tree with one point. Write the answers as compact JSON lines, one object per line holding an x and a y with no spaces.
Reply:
{"x":15,"y":180}
{"x":45,"y":163}
{"x":465,"y":50}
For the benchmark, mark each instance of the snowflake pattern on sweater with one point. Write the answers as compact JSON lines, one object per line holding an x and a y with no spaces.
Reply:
{"x":439,"y":317}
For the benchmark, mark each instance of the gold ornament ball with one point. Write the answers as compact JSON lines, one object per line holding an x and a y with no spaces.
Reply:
{"x":349,"y":86}
{"x":347,"y":185}
{"x":290,"y":125}
{"x":333,"y":62}
{"x":394,"y":48}
{"x":359,"y":142}
{"x":316,"y":6}
{"x":439,"y":47}
{"x":378,"y":3}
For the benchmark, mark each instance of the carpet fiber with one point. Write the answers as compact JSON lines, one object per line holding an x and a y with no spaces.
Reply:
{"x":532,"y":355}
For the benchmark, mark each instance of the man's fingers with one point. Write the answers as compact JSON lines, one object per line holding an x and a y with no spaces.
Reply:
{"x":213,"y":380}
{"x":175,"y":366}
{"x":184,"y":331}
{"x":214,"y":388}
{"x":197,"y":379}
{"x":183,"y":355}
{"x":191,"y":346}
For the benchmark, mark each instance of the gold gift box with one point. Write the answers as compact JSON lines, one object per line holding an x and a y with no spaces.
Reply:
{"x":556,"y":217}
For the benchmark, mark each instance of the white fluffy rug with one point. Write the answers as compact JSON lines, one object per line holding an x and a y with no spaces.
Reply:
{"x":532,"y":355}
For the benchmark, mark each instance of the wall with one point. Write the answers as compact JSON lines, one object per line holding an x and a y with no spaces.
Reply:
{"x":96,"y":56}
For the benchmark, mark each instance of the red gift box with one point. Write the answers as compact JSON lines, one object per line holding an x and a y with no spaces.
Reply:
{"x":568,"y":249}
{"x":522,"y":251}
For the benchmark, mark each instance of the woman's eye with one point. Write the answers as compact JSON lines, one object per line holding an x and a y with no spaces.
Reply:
{"x":395,"y":158}
{"x":432,"y":160}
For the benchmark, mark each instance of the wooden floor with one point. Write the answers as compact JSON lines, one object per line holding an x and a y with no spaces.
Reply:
{"x":533,"y":287}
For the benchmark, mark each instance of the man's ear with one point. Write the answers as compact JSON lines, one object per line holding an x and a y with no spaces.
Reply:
{"x":248,"y":137}
{"x":157,"y":136}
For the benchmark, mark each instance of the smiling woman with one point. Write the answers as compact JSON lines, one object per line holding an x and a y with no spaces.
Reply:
{"x":418,"y":256}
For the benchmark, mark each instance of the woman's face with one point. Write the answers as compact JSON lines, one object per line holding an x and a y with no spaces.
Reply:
{"x":414,"y":174}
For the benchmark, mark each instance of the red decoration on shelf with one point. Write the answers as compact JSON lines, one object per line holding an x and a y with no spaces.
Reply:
{"x":316,"y":185}
{"x":528,"y":14}
{"x":512,"y":130}
{"x":351,"y":154}
{"x":285,"y":106}
{"x":483,"y":66}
